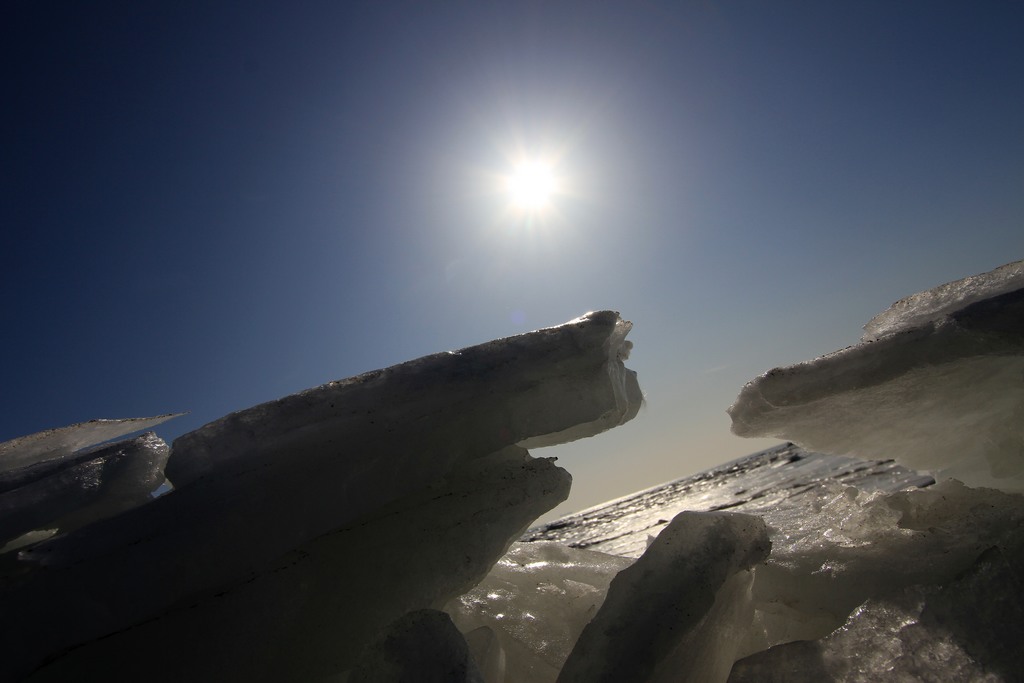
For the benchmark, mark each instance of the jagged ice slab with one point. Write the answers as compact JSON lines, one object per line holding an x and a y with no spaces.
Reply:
{"x":937,"y":383}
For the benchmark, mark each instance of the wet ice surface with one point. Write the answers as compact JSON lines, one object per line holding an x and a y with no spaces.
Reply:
{"x":933,"y":635}
{"x":783,"y":484}
{"x":532,"y":606}
{"x":874,"y":571}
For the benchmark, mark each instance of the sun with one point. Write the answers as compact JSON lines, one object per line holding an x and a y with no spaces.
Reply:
{"x":531,"y":185}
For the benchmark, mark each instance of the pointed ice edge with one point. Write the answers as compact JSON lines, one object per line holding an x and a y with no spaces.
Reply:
{"x":623,"y":382}
{"x":932,"y":304}
{"x":541,"y":388}
{"x":63,"y":441}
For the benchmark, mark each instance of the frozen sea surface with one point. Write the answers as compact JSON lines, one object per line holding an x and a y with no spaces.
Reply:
{"x":782,"y":484}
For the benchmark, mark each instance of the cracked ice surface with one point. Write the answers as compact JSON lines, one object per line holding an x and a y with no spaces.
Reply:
{"x":967,"y":630}
{"x":844,"y":535}
{"x":937,"y":383}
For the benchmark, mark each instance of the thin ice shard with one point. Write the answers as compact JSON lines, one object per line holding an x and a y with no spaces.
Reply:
{"x":63,"y":441}
{"x":71,"y":492}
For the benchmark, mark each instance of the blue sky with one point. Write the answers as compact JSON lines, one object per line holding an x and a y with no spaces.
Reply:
{"x":210,"y":205}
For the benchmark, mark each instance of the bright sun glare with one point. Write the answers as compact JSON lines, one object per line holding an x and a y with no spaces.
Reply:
{"x":531,"y":185}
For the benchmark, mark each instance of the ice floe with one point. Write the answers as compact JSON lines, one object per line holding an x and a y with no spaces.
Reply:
{"x":298,"y":529}
{"x":937,"y":383}
{"x":363,"y":530}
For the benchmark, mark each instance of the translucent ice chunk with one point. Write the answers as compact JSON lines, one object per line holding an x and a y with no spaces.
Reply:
{"x":913,"y":635}
{"x":667,"y":616}
{"x":853,"y":547}
{"x":844,"y":535}
{"x":536,"y":601}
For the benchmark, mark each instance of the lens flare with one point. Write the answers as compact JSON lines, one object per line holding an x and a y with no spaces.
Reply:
{"x":531,"y":185}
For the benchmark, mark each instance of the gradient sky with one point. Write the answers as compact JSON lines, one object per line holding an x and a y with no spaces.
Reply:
{"x":208,"y":205}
